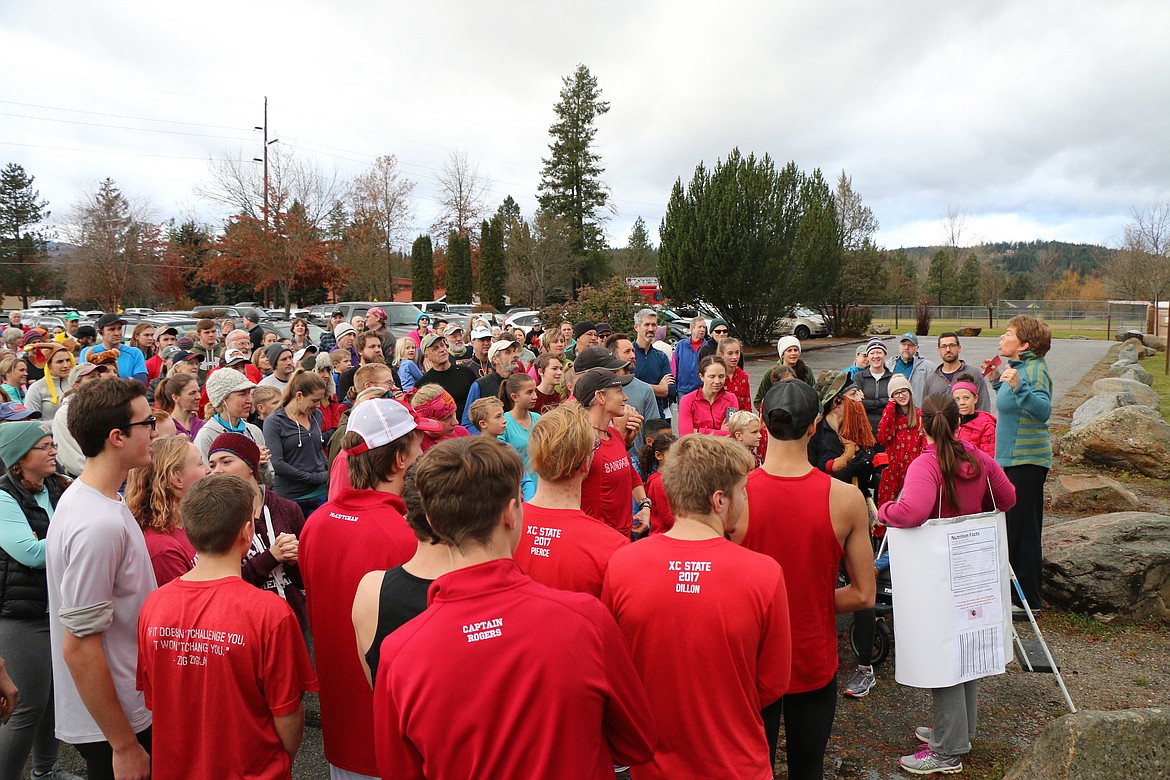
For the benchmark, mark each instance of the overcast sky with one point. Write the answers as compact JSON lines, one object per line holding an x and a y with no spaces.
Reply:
{"x":1040,"y":120}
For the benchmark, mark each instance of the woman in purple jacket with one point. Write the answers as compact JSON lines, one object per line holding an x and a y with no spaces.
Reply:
{"x":950,"y":478}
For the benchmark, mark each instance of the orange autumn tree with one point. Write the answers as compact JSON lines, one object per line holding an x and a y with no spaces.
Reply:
{"x":290,"y":254}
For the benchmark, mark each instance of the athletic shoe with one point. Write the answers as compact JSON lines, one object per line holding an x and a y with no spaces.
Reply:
{"x":927,"y":762}
{"x":617,"y":770}
{"x":56,"y":773}
{"x":860,"y":683}
{"x":923,"y":733}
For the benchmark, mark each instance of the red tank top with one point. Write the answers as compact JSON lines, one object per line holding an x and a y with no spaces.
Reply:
{"x":789,"y":520}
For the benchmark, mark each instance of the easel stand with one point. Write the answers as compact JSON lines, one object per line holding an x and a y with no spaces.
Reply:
{"x":1022,"y":652}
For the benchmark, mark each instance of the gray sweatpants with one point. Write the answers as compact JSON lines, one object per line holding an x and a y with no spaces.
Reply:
{"x":954,"y":718}
{"x":29,"y":662}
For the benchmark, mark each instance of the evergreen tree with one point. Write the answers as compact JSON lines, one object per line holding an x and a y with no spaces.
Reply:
{"x":940,"y":278}
{"x":24,"y":267}
{"x":570,"y":186}
{"x":967,"y":290}
{"x":422,"y":269}
{"x":750,"y":240}
{"x":639,"y":257}
{"x":510,"y":216}
{"x":458,"y":268}
{"x":493,"y":275}
{"x":902,"y":288}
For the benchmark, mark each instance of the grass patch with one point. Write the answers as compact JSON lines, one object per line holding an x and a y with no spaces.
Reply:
{"x":1156,"y":366}
{"x":1076,"y":623}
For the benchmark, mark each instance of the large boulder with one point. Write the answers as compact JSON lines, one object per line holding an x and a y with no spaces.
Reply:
{"x":1144,"y":394}
{"x":1138,"y":374}
{"x":1100,"y":405}
{"x":1094,"y":745}
{"x":1133,"y":438}
{"x":1129,"y":352}
{"x":1121,"y":368}
{"x":1113,"y":566}
{"x":969,"y":332}
{"x":1154,"y":342}
{"x":879,"y":329}
{"x":1089,"y":494}
{"x":1125,"y":334}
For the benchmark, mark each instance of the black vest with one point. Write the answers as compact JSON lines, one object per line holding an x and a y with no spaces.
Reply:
{"x":24,"y":591}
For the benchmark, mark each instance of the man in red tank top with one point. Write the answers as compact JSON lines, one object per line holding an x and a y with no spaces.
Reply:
{"x":808,"y":522}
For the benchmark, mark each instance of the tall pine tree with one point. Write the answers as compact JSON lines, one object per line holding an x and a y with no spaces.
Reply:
{"x":493,"y":275}
{"x":458,"y":268}
{"x":422,"y":269}
{"x":570,"y":186}
{"x":24,"y":267}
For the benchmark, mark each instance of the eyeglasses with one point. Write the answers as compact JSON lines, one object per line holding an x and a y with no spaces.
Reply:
{"x":50,"y":447}
{"x":150,"y":422}
{"x":720,"y":330}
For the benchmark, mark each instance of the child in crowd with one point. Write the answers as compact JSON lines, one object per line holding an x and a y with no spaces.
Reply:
{"x":738,"y":384}
{"x":550,"y":371}
{"x":265,"y":400}
{"x":518,"y":395}
{"x":435,"y":403}
{"x":247,"y":656}
{"x":744,"y":427}
{"x":975,"y":426}
{"x":900,"y":432}
{"x":650,"y":460}
{"x":487,"y":414}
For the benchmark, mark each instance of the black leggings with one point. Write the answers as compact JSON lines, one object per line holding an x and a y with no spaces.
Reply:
{"x":866,"y":627}
{"x":808,"y":723}
{"x":99,"y":756}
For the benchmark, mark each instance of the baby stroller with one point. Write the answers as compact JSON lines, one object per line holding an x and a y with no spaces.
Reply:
{"x":883,"y":635}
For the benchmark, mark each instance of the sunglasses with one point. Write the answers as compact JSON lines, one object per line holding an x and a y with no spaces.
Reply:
{"x":719,"y":330}
{"x":150,"y":422}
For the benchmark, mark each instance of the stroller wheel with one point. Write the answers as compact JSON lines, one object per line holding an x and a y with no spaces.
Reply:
{"x":881,"y":641}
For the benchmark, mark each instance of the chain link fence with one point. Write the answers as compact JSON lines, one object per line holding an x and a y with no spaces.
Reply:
{"x":1096,"y":319}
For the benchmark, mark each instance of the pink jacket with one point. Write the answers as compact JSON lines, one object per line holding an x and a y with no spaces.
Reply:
{"x":980,"y":432}
{"x":695,"y":415}
{"x":924,"y":484}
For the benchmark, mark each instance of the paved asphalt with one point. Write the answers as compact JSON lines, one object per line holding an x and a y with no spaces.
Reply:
{"x":1068,"y":361}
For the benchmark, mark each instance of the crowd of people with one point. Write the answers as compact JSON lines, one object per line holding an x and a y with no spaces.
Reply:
{"x":493,"y":554}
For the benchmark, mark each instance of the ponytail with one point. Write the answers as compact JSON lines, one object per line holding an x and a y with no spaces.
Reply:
{"x":647,"y":460}
{"x":940,"y":418}
{"x":303,"y":382}
{"x":510,"y":386}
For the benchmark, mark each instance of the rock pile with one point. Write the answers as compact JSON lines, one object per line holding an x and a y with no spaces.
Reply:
{"x":1093,"y":745}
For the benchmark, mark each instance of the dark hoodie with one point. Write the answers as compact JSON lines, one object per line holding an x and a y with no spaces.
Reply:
{"x":298,"y":455}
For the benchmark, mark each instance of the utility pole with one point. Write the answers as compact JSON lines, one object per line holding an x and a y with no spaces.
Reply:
{"x":264,"y":206}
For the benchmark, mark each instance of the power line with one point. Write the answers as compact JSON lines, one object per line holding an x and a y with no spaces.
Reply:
{"x":120,"y":116}
{"x":125,"y":127}
{"x":111,"y":151}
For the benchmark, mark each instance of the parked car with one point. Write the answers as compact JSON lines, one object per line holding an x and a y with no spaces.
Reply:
{"x":524,"y":319}
{"x":49,"y":303}
{"x":803,"y":323}
{"x":432,"y":307}
{"x":319,"y":314}
{"x":677,"y":327}
{"x":225,"y":312}
{"x":138,"y":312}
{"x":403,"y":317}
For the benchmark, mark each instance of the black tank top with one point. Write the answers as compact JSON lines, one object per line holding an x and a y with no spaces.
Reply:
{"x":402,"y":597}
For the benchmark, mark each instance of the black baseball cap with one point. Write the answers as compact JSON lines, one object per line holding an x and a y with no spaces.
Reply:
{"x":107,"y":320}
{"x":789,"y":408}
{"x":84,"y":331}
{"x":589,"y":382}
{"x":598,"y":357}
{"x":185,"y":355}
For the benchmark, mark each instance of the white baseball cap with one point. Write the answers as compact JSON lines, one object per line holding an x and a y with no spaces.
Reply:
{"x":499,"y":346}
{"x":480,"y":333}
{"x":233,"y":356}
{"x":380,"y":421}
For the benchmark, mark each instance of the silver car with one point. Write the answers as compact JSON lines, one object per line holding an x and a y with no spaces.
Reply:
{"x":803,"y":323}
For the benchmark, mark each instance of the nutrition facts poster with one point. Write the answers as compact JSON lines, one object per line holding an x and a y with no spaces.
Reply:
{"x":950,"y":587}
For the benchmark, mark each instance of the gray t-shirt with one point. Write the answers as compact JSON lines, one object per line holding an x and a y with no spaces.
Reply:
{"x":273,"y":381}
{"x":96,"y":557}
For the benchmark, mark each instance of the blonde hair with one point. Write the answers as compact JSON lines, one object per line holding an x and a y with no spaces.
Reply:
{"x":482,"y":408}
{"x":740,"y":421}
{"x":264,"y":393}
{"x":304,"y":382}
{"x":560,"y":442}
{"x":150,"y":493}
{"x":697,"y":467}
{"x":425,"y":394}
{"x":8,"y":364}
{"x":400,"y":349}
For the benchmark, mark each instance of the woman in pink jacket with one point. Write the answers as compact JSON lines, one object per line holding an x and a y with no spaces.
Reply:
{"x":950,"y":478}
{"x":706,"y":409}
